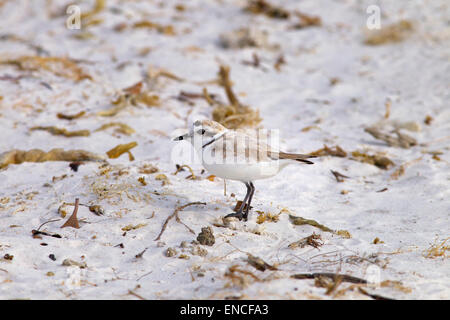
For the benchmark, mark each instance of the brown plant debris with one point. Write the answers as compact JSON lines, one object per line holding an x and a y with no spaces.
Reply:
{"x":400,"y":140}
{"x":279,"y":62}
{"x":133,"y":227}
{"x":344,"y":234}
{"x":180,"y":168}
{"x":73,"y":263}
{"x":148,"y":169}
{"x":269,"y":10}
{"x":99,"y":6}
{"x":35,"y":155}
{"x":428,"y":120}
{"x":259,"y":263}
{"x":120,"y":149}
{"x":306,"y":20}
{"x":336,"y":151}
{"x":142,"y":181}
{"x":339,"y":176}
{"x":167,"y":30}
{"x":70,"y":117}
{"x":63,"y":132}
{"x":245,"y":38}
{"x":119,"y":128}
{"x":163,"y":178}
{"x":392,"y":33}
{"x":96,"y":209}
{"x":206,"y":237}
{"x":240,"y":277}
{"x":267,"y":217}
{"x":343,"y":277}
{"x":134,"y":96}
{"x":62,"y":67}
{"x":380,"y":161}
{"x":175,"y":214}
{"x":234,"y":115}
{"x":73,"y":220}
{"x":438,"y":249}
{"x":298,"y":221}
{"x":312,"y":240}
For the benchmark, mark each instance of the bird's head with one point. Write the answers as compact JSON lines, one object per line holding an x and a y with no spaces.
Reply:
{"x":203,"y":132}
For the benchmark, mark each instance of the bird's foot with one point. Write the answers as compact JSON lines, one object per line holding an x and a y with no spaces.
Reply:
{"x":238,"y":215}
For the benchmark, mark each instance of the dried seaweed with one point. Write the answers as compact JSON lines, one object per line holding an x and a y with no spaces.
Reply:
{"x":62,"y":131}
{"x":267,"y":217}
{"x":343,"y":277}
{"x":180,"y":168}
{"x":400,"y":140}
{"x":245,"y":38}
{"x":70,"y":117}
{"x":235,"y":115}
{"x":380,"y":161}
{"x":133,"y":227}
{"x":302,"y":221}
{"x":162,"y":177}
{"x":120,"y":149}
{"x":259,"y":263}
{"x":119,"y":128}
{"x":312,"y":240}
{"x":269,"y":10}
{"x":240,"y":277}
{"x":393,"y":33}
{"x":336,"y":151}
{"x":438,"y":249}
{"x":99,"y":6}
{"x":62,"y":67}
{"x":344,"y":234}
{"x":134,"y":96}
{"x":36,"y":155}
{"x":167,"y":30}
{"x":73,"y":263}
{"x":306,"y":20}
{"x":148,"y":169}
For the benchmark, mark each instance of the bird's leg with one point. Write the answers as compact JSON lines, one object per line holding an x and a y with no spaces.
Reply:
{"x":252,"y":191}
{"x":239,"y":214}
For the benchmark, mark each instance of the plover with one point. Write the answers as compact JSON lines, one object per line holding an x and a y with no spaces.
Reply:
{"x":237,"y":155}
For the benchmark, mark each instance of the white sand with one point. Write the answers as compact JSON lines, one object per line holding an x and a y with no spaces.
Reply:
{"x":408,"y":218}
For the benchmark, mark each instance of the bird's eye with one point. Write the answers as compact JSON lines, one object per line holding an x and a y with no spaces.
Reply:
{"x":202,"y":131}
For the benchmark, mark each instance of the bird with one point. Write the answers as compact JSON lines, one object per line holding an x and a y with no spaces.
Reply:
{"x":237,"y":155}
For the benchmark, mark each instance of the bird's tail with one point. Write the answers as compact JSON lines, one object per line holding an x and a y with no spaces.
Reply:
{"x":297,"y":157}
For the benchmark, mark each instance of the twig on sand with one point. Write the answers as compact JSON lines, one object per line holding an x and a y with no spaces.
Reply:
{"x":175,"y":214}
{"x":343,"y":277}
